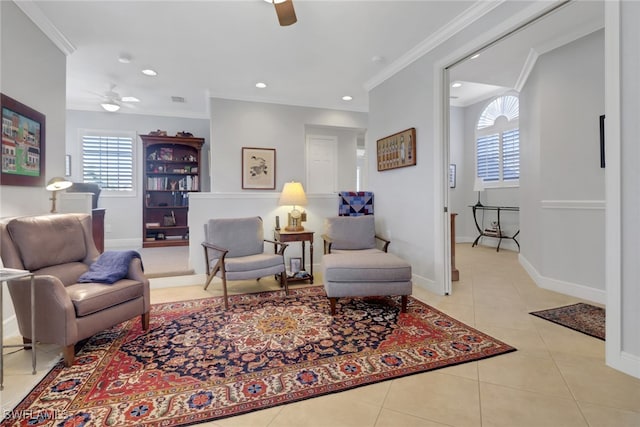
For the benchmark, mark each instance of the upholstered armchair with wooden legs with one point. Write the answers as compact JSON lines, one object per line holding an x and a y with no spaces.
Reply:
{"x":234,"y":250}
{"x":59,"y":249}
{"x":356,"y":262}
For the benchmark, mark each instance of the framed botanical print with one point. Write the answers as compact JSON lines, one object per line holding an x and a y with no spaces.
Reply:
{"x":258,"y":168}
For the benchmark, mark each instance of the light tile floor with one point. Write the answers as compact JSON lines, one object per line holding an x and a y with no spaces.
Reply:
{"x":557,"y":377}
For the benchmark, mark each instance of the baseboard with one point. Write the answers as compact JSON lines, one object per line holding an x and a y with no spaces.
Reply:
{"x":427,"y":284}
{"x":567,"y":288}
{"x":625,"y":362}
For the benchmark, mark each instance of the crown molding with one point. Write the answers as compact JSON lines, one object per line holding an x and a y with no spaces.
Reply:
{"x":534,"y":53}
{"x":468,"y":17}
{"x":36,"y":15}
{"x":529,"y":63}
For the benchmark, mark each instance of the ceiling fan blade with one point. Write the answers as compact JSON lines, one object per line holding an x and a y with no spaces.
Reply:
{"x":286,"y":13}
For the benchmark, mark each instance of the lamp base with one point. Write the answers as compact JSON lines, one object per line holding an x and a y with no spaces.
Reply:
{"x":294,"y":224}
{"x":477,"y":205}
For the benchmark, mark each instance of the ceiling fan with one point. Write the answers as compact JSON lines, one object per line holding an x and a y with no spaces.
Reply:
{"x":112,"y":101}
{"x":285,"y":11}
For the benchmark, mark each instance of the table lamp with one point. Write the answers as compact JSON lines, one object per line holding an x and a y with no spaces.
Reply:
{"x":54,"y":185}
{"x":479,"y":187}
{"x":293,"y":194}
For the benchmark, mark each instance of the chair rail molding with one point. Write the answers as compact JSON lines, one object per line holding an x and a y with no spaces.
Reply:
{"x":573,"y":204}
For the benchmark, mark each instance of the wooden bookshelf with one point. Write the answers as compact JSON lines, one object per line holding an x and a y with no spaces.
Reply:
{"x":172,"y":170}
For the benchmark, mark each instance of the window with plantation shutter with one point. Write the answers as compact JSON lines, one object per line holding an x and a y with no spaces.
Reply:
{"x":107,"y":160}
{"x":498,"y":143}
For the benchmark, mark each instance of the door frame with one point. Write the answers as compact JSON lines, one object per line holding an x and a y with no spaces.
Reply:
{"x":334,"y":142}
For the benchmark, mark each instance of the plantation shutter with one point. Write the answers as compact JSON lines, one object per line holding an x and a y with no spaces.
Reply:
{"x":511,"y":154}
{"x":108,"y":161}
{"x":488,"y":159}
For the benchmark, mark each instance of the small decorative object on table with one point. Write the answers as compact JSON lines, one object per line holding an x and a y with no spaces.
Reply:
{"x":295,"y":265}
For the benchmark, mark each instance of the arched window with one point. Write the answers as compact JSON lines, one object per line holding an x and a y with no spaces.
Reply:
{"x":498,"y":142}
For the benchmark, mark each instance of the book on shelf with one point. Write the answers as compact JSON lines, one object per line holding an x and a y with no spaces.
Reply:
{"x":299,"y":275}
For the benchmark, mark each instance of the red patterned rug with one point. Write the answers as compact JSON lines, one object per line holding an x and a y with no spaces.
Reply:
{"x":581,"y":317}
{"x":199,"y":362}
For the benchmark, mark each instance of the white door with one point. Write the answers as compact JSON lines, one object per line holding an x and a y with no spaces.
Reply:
{"x":322,"y":159}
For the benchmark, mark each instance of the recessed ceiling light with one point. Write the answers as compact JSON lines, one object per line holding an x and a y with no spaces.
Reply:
{"x":347,"y":98}
{"x":261,"y":85}
{"x":457,"y":84}
{"x":475,"y":56}
{"x":125,"y":58}
{"x":130,"y":99}
{"x":149,"y":72}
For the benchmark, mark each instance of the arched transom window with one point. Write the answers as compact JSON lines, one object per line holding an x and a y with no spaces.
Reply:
{"x":498,"y":142}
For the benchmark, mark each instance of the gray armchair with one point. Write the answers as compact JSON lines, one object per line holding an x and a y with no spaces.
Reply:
{"x":356,"y":263}
{"x":58,"y":249}
{"x":234,"y":250}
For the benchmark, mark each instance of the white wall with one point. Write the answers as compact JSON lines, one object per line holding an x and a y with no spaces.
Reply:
{"x":237,"y":124}
{"x":26,"y":52}
{"x":458,"y":196}
{"x":123,"y":214}
{"x":563,"y":225}
{"x":630,"y":150}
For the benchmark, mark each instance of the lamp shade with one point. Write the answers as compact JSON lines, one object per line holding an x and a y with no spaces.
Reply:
{"x":293,"y":194}
{"x":58,"y":183}
{"x":478,"y":185}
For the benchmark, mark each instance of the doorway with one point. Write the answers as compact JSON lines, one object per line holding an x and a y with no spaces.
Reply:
{"x":499,"y":67}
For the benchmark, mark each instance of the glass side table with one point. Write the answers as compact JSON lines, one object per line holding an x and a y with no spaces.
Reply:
{"x":7,"y":274}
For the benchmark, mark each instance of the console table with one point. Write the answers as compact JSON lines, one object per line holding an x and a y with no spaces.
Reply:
{"x":497,"y":233}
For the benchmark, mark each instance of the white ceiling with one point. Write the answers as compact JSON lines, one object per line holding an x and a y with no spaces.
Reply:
{"x":505,"y":65}
{"x":222,"y":48}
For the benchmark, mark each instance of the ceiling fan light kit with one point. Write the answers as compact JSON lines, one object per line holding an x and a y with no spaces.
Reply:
{"x":110,"y":106}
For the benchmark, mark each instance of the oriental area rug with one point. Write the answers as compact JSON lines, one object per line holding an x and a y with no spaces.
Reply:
{"x":198,"y":362}
{"x":581,"y":317}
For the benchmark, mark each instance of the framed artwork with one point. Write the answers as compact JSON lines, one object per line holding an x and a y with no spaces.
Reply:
{"x":23,"y":144}
{"x":295,"y":265}
{"x":258,"y":168}
{"x":452,"y":175}
{"x":397,"y":150}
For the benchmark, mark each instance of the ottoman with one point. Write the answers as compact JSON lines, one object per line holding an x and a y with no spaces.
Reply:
{"x":365,"y":274}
